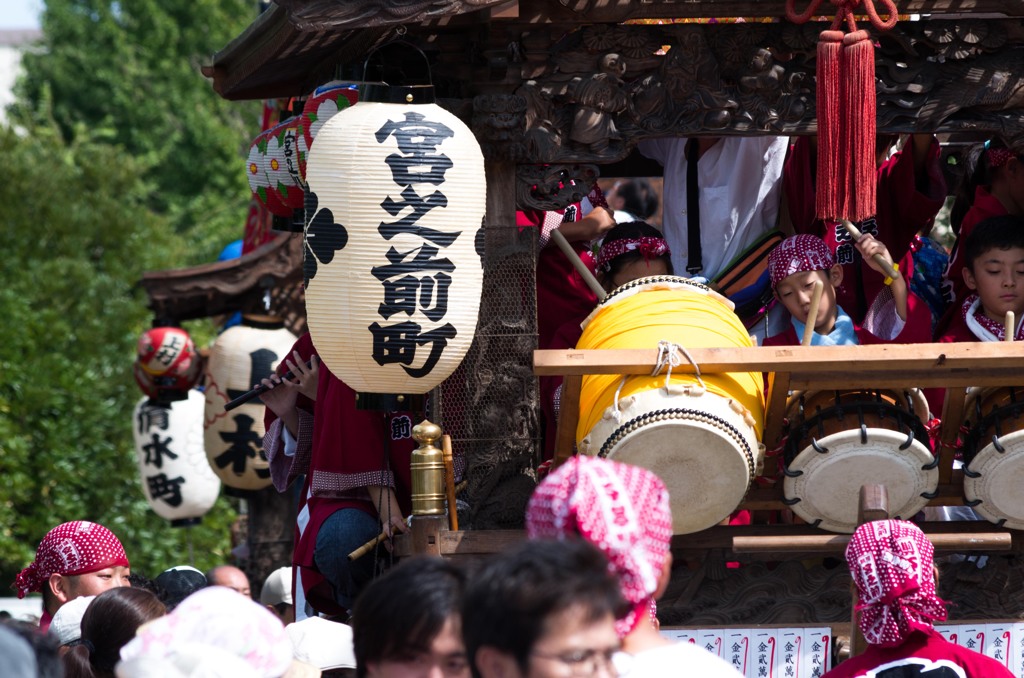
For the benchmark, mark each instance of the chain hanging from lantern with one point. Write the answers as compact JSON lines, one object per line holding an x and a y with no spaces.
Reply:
{"x":393,"y":241}
{"x":177,"y":481}
{"x":241,"y":357}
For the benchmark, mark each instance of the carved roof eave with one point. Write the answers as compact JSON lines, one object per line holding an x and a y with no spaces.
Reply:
{"x":293,"y":46}
{"x":224,"y":286}
{"x":313,"y":15}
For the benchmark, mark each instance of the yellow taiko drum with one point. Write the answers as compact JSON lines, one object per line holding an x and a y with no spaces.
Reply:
{"x":699,"y":433}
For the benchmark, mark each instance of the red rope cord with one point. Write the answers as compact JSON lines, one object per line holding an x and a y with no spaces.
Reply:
{"x":845,"y":9}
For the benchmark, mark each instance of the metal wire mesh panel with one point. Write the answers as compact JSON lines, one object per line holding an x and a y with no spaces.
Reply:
{"x":490,"y":405}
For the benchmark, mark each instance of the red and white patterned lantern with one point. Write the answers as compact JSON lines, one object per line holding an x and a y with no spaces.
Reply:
{"x":240,"y":358}
{"x":266,"y":171}
{"x":322,"y":105}
{"x":176,"y":479}
{"x":167,"y":365}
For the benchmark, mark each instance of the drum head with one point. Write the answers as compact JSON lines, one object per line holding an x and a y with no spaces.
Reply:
{"x":699,"y":444}
{"x":827,"y":488}
{"x":999,"y":482}
{"x":705,"y":475}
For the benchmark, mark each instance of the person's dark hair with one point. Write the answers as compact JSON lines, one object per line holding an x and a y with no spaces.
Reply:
{"x":631,"y":230}
{"x":639,"y":198}
{"x":977,"y":172}
{"x":176,"y":584}
{"x":1003,"y":232}
{"x":512,"y":597}
{"x":44,"y":646}
{"x":141,"y":581}
{"x":109,"y":622}
{"x":399,"y":614}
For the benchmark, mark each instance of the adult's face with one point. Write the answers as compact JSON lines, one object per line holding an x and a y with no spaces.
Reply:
{"x":573,"y":645}
{"x":446,"y":658}
{"x":231,"y":577}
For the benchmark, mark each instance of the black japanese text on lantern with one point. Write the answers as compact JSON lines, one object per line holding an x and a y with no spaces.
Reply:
{"x":416,"y":279}
{"x":160,"y":486}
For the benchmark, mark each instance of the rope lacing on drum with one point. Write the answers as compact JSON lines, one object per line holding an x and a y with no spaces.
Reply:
{"x":668,"y":357}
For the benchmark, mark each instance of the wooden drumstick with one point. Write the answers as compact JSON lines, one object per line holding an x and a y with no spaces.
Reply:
{"x":1009,"y":326}
{"x":578,"y":264}
{"x":882,"y":261}
{"x":449,"y":481}
{"x":367,"y":547}
{"x":812,"y":315}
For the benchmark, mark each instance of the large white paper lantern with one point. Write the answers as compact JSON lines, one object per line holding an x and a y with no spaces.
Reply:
{"x":393,"y":258}
{"x":241,"y":357}
{"x":176,"y":479}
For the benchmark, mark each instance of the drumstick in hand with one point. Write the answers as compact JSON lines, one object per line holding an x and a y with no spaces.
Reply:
{"x":367,"y":547}
{"x":882,"y":261}
{"x":812,"y":315}
{"x":1009,"y":326}
{"x":578,"y":264}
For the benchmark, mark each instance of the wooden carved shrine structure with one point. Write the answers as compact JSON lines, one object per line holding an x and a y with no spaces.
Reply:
{"x":559,"y":92}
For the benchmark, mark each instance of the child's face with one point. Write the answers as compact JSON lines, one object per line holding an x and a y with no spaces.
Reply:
{"x":998,"y":278}
{"x":795,"y":293}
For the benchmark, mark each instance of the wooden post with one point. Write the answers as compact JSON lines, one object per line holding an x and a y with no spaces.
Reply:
{"x":271,"y":532}
{"x":873,"y":505}
{"x":568,"y":418}
{"x":501,"y":406}
{"x":425,"y":533}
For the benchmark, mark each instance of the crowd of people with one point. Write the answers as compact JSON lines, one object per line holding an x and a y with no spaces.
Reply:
{"x":578,"y":597}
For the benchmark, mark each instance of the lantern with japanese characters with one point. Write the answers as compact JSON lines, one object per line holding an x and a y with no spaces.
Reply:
{"x":393,"y":255}
{"x":167,"y":364}
{"x":176,"y":479}
{"x":240,"y":358}
{"x":272,"y":180}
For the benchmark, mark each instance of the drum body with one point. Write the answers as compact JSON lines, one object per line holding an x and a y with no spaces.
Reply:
{"x":994,"y":454}
{"x":700,"y":435}
{"x":841,"y":440}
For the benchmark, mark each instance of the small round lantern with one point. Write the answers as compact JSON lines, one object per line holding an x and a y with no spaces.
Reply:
{"x":176,"y":479}
{"x":167,"y":364}
{"x":241,"y":357}
{"x":395,"y":204}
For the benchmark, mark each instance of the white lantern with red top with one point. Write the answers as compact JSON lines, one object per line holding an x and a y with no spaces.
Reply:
{"x":176,"y":479}
{"x":167,"y":365}
{"x":393,"y":257}
{"x":239,"y":359}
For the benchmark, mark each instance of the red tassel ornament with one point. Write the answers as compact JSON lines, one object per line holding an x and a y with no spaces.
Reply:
{"x":830,"y":174}
{"x":846,"y":103}
{"x":857,"y":92}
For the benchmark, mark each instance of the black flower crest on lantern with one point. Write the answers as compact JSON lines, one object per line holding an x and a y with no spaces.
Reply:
{"x":324,"y":237}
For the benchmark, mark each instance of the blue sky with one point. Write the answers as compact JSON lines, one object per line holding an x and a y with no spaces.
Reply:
{"x":20,"y":13}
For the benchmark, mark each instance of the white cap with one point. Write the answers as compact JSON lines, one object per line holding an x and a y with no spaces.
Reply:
{"x":322,"y":643}
{"x":278,"y":588}
{"x":67,"y":622}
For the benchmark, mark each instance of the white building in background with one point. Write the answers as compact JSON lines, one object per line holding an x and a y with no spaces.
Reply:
{"x":13,"y":42}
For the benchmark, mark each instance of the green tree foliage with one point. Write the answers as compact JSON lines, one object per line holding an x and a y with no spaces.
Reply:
{"x":129,"y":71}
{"x":78,"y":236}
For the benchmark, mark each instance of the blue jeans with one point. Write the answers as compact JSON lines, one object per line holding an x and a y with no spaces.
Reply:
{"x":341,"y":534}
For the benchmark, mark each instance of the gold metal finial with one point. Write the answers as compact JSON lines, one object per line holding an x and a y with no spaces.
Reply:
{"x":427,"y":466}
{"x":408,"y":97}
